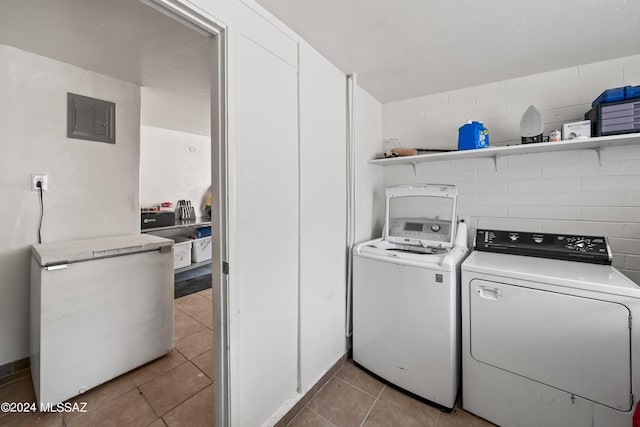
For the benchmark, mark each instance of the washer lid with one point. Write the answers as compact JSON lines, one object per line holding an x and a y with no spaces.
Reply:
{"x":421,"y":215}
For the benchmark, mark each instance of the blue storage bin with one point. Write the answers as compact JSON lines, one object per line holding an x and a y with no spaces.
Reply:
{"x":610,"y":95}
{"x":631,"y":92}
{"x":202,"y":232}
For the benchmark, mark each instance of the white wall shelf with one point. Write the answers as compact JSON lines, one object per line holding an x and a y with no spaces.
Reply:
{"x":596,"y":143}
{"x":198,"y":222}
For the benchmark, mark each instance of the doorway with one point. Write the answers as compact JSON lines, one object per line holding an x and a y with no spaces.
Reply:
{"x":219,"y":191}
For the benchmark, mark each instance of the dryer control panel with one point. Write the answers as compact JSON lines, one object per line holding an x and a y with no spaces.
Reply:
{"x":591,"y":249}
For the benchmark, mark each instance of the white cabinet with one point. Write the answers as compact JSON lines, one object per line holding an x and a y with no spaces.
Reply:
{"x":263,"y":151}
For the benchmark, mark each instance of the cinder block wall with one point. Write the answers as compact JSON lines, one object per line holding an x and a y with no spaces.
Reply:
{"x":564,"y":192}
{"x":562,"y":96}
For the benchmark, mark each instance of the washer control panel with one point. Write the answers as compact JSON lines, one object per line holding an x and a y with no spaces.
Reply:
{"x":592,"y":249}
{"x":413,"y":231}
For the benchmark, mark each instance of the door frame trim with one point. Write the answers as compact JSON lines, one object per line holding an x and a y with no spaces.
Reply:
{"x":204,"y":23}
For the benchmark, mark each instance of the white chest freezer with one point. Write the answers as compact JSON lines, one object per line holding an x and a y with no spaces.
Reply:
{"x":99,"y":308}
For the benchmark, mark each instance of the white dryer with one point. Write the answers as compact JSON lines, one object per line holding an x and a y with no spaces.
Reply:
{"x":406,"y":294}
{"x":548,"y":334}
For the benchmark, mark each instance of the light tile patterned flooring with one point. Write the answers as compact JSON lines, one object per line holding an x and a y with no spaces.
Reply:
{"x":354,"y":398}
{"x":176,"y":390}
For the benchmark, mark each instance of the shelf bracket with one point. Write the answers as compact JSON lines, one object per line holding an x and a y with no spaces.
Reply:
{"x":599,"y":154}
{"x":415,"y":168}
{"x":495,"y":161}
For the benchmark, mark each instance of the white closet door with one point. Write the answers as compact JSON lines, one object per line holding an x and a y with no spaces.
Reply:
{"x":264,"y":217}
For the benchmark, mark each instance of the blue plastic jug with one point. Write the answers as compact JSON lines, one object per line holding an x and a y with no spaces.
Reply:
{"x":473,"y":135}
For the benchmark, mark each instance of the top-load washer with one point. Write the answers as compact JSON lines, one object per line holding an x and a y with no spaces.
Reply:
{"x":548,"y":332}
{"x":405,"y":293}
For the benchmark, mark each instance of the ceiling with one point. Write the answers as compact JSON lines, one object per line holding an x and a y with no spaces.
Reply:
{"x":124,"y":39}
{"x":409,"y":48}
{"x":400,"y":49}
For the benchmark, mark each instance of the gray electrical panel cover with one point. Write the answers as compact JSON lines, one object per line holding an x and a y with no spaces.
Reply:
{"x":91,"y":119}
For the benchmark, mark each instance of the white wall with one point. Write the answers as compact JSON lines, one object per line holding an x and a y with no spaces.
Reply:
{"x":369,"y":209}
{"x":562,"y":96}
{"x":564,"y":192}
{"x":174,"y":165}
{"x":93,"y":187}
{"x":323,"y":131}
{"x":168,"y":109}
{"x":175,"y":147}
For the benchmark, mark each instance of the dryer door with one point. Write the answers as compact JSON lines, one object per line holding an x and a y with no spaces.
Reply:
{"x":576,"y":344}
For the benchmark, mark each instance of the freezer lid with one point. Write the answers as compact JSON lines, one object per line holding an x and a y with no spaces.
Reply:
{"x":89,"y":249}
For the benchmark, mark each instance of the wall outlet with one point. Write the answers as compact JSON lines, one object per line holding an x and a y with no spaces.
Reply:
{"x":39,"y":178}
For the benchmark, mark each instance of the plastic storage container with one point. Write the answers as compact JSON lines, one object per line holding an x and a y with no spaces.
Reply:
{"x":472,"y":135}
{"x":201,"y":249}
{"x":610,"y":95}
{"x":181,"y":252}
{"x":202,"y":232}
{"x":631,"y":92}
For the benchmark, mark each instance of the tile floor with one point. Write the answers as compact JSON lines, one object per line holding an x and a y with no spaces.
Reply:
{"x":355,"y":398}
{"x":176,"y":390}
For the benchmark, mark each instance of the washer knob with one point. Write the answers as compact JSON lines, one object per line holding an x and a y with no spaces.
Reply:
{"x":435,"y":228}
